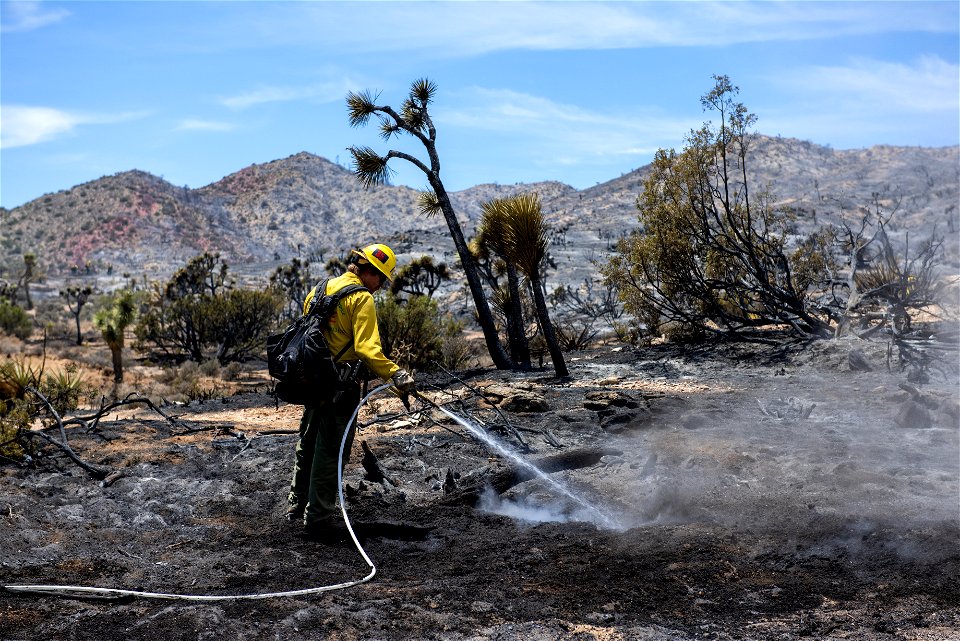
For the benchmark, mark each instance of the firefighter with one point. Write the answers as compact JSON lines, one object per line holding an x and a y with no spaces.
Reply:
{"x":314,"y":490}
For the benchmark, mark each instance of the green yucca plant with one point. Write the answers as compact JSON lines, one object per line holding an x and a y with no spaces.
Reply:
{"x":522,"y":236}
{"x":63,"y":388}
{"x":16,"y":376}
{"x":492,"y":237}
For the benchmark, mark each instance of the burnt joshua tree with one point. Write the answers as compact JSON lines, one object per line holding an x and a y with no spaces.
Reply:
{"x":371,"y":168}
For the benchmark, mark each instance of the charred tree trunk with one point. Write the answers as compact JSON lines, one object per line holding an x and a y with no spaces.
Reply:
{"x":519,"y":348}
{"x":503,"y":480}
{"x":559,"y":364}
{"x":484,"y":316}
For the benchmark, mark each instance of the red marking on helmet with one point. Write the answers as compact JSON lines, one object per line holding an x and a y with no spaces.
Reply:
{"x":380,"y":255}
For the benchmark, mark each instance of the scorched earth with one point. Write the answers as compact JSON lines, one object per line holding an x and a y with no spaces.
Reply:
{"x":757,"y":493}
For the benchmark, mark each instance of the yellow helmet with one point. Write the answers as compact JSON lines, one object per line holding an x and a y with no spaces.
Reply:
{"x":380,"y":256}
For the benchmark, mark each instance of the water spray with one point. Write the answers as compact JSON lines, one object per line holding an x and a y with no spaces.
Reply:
{"x":604,"y":518}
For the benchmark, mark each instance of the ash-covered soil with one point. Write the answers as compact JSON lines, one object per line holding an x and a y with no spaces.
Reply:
{"x":756,"y":493}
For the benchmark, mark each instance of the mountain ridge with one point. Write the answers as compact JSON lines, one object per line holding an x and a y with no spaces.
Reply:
{"x":306,"y":205}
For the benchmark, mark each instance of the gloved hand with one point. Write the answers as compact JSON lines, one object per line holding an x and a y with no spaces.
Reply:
{"x":404,"y":382}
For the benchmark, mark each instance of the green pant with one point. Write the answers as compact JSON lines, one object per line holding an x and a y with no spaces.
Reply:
{"x":314,"y":484}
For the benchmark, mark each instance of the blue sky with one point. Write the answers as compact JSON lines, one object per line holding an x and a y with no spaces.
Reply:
{"x":528,"y":91}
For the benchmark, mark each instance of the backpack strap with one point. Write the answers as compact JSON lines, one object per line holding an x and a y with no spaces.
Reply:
{"x":334,"y":299}
{"x":319,"y":291}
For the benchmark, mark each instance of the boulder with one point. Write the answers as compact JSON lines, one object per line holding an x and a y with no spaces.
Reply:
{"x":858,"y":361}
{"x":598,"y":401}
{"x":913,"y":415}
{"x":521,"y":401}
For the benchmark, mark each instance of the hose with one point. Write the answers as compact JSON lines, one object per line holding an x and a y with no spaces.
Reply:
{"x":74,"y":590}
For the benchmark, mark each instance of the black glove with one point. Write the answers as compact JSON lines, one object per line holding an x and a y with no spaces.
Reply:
{"x":404,"y":382}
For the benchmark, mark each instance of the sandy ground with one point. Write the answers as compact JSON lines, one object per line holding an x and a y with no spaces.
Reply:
{"x":746,"y":493}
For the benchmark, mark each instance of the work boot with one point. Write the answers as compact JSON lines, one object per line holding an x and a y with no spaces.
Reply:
{"x":294,"y":513}
{"x":326,"y":530}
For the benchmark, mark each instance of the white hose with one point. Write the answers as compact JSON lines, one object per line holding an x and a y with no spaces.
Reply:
{"x":69,"y":590}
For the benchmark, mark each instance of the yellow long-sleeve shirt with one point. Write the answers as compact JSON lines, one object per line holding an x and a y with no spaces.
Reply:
{"x":356,"y":317}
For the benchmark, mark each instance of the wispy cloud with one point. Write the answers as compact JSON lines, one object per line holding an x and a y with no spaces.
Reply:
{"x":328,"y":91}
{"x":470,"y":28}
{"x":196,"y":124}
{"x":21,"y":126}
{"x":929,"y":85}
{"x":27,"y":15}
{"x":565,"y":131}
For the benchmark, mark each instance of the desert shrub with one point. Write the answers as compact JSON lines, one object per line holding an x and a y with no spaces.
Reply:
{"x":456,"y":352}
{"x":241,"y":321}
{"x":629,"y":332}
{"x":417,"y":336}
{"x":199,"y":311}
{"x":14,"y":321}
{"x":711,"y":253}
{"x":12,"y":424}
{"x":19,"y":407}
{"x":231,"y":372}
{"x":210,"y":368}
{"x":186,"y":383}
{"x":188,"y":372}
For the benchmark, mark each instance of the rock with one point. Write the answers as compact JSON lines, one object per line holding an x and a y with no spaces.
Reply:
{"x":858,"y":361}
{"x":524,"y":402}
{"x":496,"y":392}
{"x":616,"y":423}
{"x":913,"y":415}
{"x":601,"y":400}
{"x":949,"y":413}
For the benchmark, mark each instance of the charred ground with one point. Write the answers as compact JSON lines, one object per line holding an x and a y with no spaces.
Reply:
{"x":763,"y":494}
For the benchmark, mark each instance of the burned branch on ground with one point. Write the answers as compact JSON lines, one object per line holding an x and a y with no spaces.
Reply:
{"x":90,"y":423}
{"x":500,"y":481}
{"x":130,"y":399}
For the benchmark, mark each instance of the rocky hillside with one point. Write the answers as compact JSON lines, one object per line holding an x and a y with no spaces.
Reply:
{"x":137,"y":223}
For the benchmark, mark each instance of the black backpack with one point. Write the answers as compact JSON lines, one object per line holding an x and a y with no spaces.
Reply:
{"x":300,"y":359}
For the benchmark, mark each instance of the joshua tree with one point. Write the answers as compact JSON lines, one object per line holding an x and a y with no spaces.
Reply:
{"x":371,"y":168}
{"x":29,"y":263}
{"x":420,"y":277}
{"x":112,"y":321}
{"x":525,"y":244}
{"x":76,"y":298}
{"x":492,"y":237}
{"x":294,"y":281}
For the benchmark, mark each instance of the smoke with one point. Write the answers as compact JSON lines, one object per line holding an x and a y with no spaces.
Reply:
{"x":820,"y":459}
{"x":526,"y":509}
